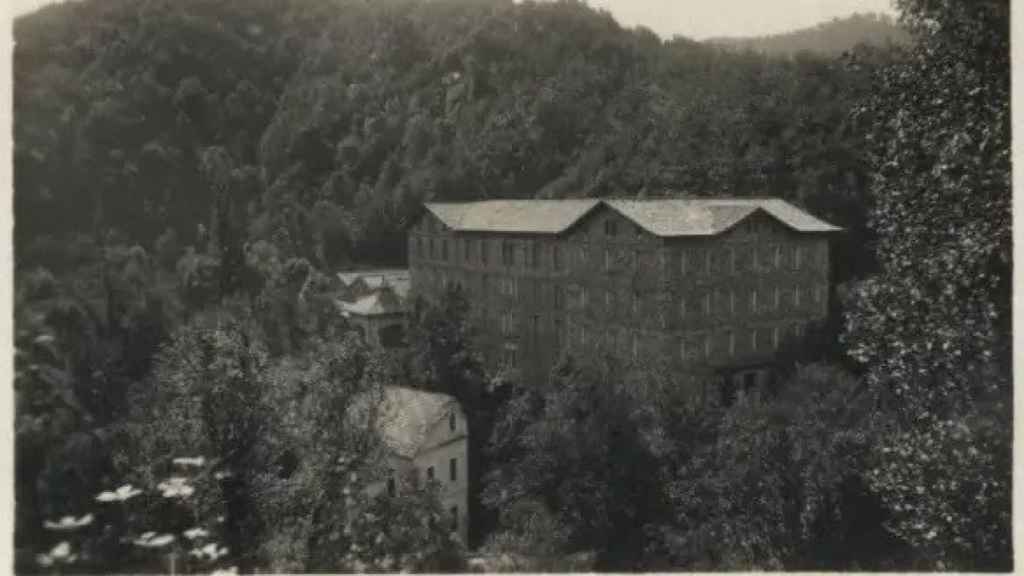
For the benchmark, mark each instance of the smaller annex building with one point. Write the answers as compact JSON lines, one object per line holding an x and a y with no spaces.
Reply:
{"x":374,"y":301}
{"x":426,"y":440}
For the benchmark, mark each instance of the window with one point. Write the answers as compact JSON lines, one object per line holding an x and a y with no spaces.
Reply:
{"x":419,"y":246}
{"x":583,"y":297}
{"x":798,"y":330}
{"x":607,"y":259}
{"x":433,"y":249}
{"x":534,"y":254}
{"x":556,"y":329}
{"x":682,"y":349}
{"x":732,"y":260}
{"x":583,"y":255}
{"x":682,"y":262}
{"x":391,"y":482}
{"x":444,"y":249}
{"x":451,"y":422}
{"x":430,"y":473}
{"x":775,"y":337}
{"x":609,"y":301}
{"x":483,"y":251}
{"x":707,"y":262}
{"x":817,"y":294}
{"x":796,"y":297}
{"x":636,"y":346}
{"x":776,"y":298}
{"x":753,"y":301}
{"x":559,"y":296}
{"x":556,"y":257}
{"x":637,"y":230}
{"x":754,"y":265}
{"x":483,"y":284}
{"x":753,"y":339}
{"x":707,"y":304}
{"x":731,"y":336}
{"x":455,"y":518}
{"x":636,"y":304}
{"x":453,"y":469}
{"x":510,"y":356}
{"x":777,"y":256}
{"x":682,"y":306}
{"x":508,"y":253}
{"x":610,"y":228}
{"x":583,"y":334}
{"x":467,"y":244}
{"x":732,"y":302}
{"x":636,"y":260}
{"x":507,"y":323}
{"x":707,"y":347}
{"x":534,"y":325}
{"x":798,"y":256}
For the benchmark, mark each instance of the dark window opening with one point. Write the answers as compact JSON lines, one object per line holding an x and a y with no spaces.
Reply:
{"x":391,"y":484}
{"x":430,"y":473}
{"x":455,"y":518}
{"x":451,"y":422}
{"x":453,"y":469}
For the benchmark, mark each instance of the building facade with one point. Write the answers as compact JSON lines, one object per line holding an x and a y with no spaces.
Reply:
{"x":712,"y":283}
{"x":426,"y":441}
{"x":374,"y":302}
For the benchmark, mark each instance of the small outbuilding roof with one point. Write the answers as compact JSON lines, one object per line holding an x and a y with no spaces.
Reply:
{"x":406,"y":416}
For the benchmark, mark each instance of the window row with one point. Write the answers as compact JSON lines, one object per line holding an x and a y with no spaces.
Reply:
{"x":689,"y":261}
{"x":753,"y":301}
{"x":727,"y":343}
{"x":428,"y":473}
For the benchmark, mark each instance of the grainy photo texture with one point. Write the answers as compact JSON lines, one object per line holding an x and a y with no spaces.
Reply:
{"x":496,"y":286}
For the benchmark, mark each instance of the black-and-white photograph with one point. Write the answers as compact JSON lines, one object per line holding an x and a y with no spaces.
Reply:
{"x":485,"y":286}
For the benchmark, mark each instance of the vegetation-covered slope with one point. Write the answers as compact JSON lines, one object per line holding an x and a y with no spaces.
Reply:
{"x":828,"y":38}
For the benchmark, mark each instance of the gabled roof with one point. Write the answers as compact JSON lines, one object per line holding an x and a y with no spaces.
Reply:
{"x":395,"y":278}
{"x":406,"y":416}
{"x":379,"y":302}
{"x":515,"y":216}
{"x":668,"y":217}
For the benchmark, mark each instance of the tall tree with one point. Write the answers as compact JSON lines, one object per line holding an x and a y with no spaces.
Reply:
{"x":933,"y":327}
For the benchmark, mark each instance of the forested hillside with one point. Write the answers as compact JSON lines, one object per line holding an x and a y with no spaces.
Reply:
{"x":188,"y":175}
{"x":327,"y":122}
{"x":827,"y":39}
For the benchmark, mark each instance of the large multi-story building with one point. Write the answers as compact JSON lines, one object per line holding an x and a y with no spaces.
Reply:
{"x":717,"y":283}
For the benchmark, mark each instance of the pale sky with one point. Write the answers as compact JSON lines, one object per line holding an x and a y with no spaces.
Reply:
{"x":697,"y":19}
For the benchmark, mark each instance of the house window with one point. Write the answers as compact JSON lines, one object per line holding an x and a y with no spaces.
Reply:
{"x":453,"y":469}
{"x":707,"y":262}
{"x":732,"y":343}
{"x":391,"y":482}
{"x":637,"y":230}
{"x":430,"y":473}
{"x":775,"y":337}
{"x":796,"y":297}
{"x":557,"y":330}
{"x":798,"y":257}
{"x":455,"y":518}
{"x":483,"y":284}
{"x":433,"y":249}
{"x":507,"y":323}
{"x":636,"y":346}
{"x":754,"y":265}
{"x":583,"y":297}
{"x":508,"y":253}
{"x":817,"y":294}
{"x":636,"y":304}
{"x":753,"y":339}
{"x":451,"y":422}
{"x":483,"y":251}
{"x":556,"y":257}
{"x":732,"y":302}
{"x":776,"y":298}
{"x":583,"y":334}
{"x":559,"y":296}
{"x":707,"y":346}
{"x":444,"y":250}
{"x":534,"y":254}
{"x":607,"y":259}
{"x":610,"y":228}
{"x":419,"y":246}
{"x":682,"y":262}
{"x":583,"y":255}
{"x":682,"y":306}
{"x":732,"y":260}
{"x":510,"y":356}
{"x":534,"y":325}
{"x":682,"y":349}
{"x":467,"y":244}
{"x":777,"y":256}
{"x":753,"y":301}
